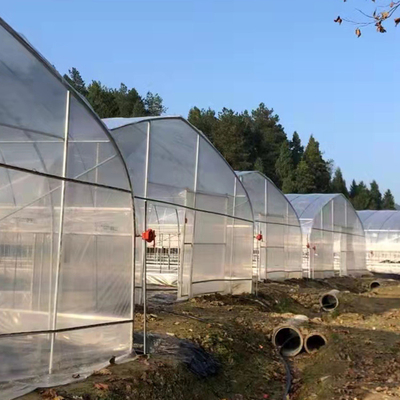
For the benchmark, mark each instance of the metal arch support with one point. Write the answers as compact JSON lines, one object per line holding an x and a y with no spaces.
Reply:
{"x":60,"y":234}
{"x":233,"y":234}
{"x":196,"y":173}
{"x":144,"y":243}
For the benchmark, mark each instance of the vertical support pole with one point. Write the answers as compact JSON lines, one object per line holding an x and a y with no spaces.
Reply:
{"x":133,"y":276}
{"x":60,"y":234}
{"x":169,"y":252}
{"x":16,"y":248}
{"x":233,"y":233}
{"x":144,"y":243}
{"x":266,"y":227}
{"x":96,"y":266}
{"x":41,"y":273}
{"x":286,"y":248}
{"x":345,"y":271}
{"x":33,"y":268}
{"x":181,"y":291}
{"x":196,"y":172}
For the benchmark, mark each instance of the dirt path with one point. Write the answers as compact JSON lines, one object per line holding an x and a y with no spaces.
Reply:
{"x":361,"y":360}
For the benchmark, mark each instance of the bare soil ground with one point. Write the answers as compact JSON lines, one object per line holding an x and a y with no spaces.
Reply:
{"x":360,"y":361}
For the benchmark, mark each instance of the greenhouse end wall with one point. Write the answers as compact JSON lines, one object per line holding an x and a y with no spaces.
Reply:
{"x":278,"y":253}
{"x":333,"y":235}
{"x":382,"y":233}
{"x":175,"y":168}
{"x":66,"y":229}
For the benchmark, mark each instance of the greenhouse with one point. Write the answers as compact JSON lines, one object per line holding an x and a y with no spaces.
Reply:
{"x":277,"y":232}
{"x":189,"y":196}
{"x":333,"y":235}
{"x":66,"y":228}
{"x":382,"y":234}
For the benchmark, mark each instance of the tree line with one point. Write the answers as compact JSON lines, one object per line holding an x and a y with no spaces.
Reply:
{"x":248,"y":141}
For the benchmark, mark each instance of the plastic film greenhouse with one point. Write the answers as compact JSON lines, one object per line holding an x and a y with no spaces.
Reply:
{"x":277,"y":231}
{"x":382,"y":234}
{"x":191,"y":198}
{"x":66,"y":229}
{"x":333,"y":235}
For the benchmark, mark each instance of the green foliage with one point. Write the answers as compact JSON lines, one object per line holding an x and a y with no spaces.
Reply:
{"x":338,"y":184}
{"x":375,"y":196}
{"x":153,"y":104}
{"x":258,"y":165}
{"x":361,"y":199}
{"x":74,"y":78}
{"x":268,"y":136}
{"x":289,"y":184}
{"x":102,"y":100}
{"x":305,"y":179}
{"x":205,"y":120}
{"x":353,"y":189}
{"x":284,"y":165}
{"x":231,"y":138}
{"x":313,"y":172}
{"x":388,"y":201}
{"x":122,"y":102}
{"x":296,"y":148}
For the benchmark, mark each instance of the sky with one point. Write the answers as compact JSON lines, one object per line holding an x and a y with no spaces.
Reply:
{"x":316,"y":75}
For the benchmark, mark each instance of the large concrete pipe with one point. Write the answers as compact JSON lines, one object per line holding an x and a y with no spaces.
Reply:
{"x":288,"y":339}
{"x":374,"y":285}
{"x":329,"y":301}
{"x":314,"y":341}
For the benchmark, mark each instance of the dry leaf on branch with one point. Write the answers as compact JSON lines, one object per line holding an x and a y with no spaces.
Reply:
{"x":358,"y":32}
{"x":397,"y":21}
{"x":338,"y":20}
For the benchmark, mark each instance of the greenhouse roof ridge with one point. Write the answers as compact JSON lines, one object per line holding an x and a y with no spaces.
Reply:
{"x":119,"y":122}
{"x":380,"y":219}
{"x":303,"y":202}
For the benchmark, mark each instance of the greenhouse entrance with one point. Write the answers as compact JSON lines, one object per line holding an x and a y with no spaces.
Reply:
{"x":163,"y":258}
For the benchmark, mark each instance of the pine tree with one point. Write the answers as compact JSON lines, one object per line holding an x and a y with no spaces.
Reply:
{"x":289,"y":184}
{"x":153,"y":104}
{"x":266,"y":138}
{"x":231,"y":139}
{"x":205,"y":120}
{"x":375,"y":197}
{"x":388,"y":202}
{"x":296,"y":149}
{"x":353,"y":189}
{"x":258,"y":165}
{"x":127,"y":100}
{"x":362,"y":198}
{"x":76,"y":81}
{"x":305,"y":178}
{"x":319,"y":168}
{"x":102,"y":99}
{"x":338,"y":184}
{"x":284,"y":165}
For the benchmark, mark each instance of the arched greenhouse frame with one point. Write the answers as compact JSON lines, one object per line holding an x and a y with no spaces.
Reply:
{"x":66,"y":229}
{"x":382,"y":234}
{"x":333,"y":235}
{"x":277,"y":230}
{"x":208,"y":221}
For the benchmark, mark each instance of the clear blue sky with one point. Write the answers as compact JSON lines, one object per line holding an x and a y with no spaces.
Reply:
{"x":288,"y":54}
